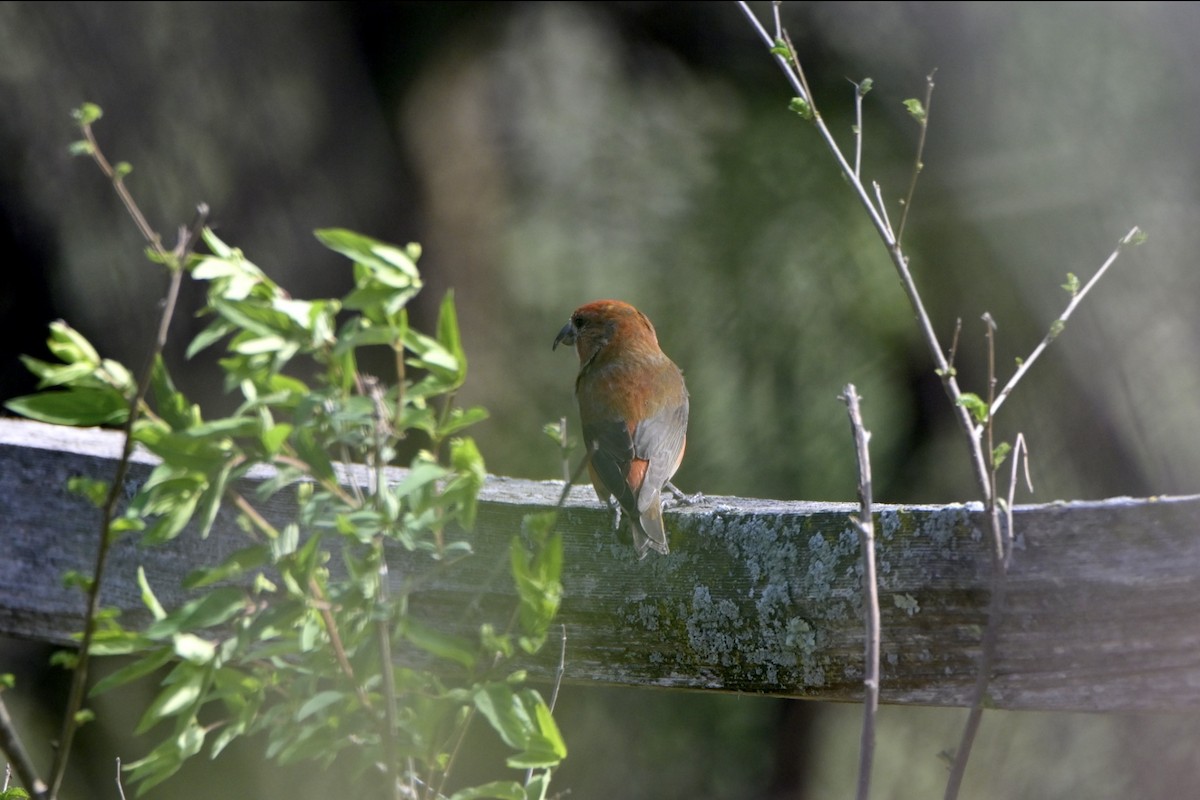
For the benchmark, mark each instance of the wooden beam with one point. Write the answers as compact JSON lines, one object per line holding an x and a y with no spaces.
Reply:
{"x":1103,"y":601}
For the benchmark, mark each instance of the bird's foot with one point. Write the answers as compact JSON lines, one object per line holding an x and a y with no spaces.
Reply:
{"x":681,"y":499}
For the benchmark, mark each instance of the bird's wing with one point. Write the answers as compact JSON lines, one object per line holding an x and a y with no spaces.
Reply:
{"x":659,"y":439}
{"x":612,"y":457}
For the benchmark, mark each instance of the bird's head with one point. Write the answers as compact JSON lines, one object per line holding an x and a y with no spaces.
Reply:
{"x":594,"y":326}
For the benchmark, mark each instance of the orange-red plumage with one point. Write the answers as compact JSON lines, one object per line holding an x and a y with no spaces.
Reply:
{"x":634,"y":408}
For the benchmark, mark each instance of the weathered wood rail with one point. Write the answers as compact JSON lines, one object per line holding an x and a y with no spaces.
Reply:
{"x":1102,"y":612}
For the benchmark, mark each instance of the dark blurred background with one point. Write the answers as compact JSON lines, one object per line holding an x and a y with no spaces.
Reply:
{"x":547,"y":154}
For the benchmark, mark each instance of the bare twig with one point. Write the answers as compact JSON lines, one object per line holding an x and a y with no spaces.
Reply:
{"x":1020,"y":457}
{"x":562,"y":668}
{"x":982,"y":459}
{"x":860,"y":90}
{"x":954,"y":342}
{"x":987,"y":645}
{"x":562,"y":444}
{"x":18,"y":757}
{"x":558,"y":676}
{"x":882,"y":207}
{"x":1057,"y":326}
{"x":878,"y":218}
{"x":391,"y":717}
{"x":865,"y":526}
{"x":175,"y":261}
{"x":918,"y":165}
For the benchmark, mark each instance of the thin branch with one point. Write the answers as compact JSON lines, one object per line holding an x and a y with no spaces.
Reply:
{"x":558,"y":676}
{"x":899,"y":260}
{"x":987,"y":645}
{"x":982,"y":458}
{"x":858,"y":126}
{"x":175,"y":261}
{"x":1057,"y":326}
{"x":562,"y":668}
{"x":18,"y":757}
{"x":391,"y":716}
{"x":1020,"y":456}
{"x":918,"y":165}
{"x":882,"y":207}
{"x":865,"y":526}
{"x":120,"y":787}
{"x":954,"y":342}
{"x":562,"y":444}
{"x":118,"y":181}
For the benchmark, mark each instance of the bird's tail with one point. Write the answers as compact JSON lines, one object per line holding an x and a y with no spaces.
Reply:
{"x":648,"y":531}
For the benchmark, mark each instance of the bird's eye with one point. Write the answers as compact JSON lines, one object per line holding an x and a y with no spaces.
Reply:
{"x":578,"y":322}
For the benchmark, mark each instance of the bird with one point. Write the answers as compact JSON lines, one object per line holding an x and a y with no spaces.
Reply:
{"x":633,"y":406}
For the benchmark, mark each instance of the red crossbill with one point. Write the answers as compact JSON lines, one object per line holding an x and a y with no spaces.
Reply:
{"x":634,"y":410}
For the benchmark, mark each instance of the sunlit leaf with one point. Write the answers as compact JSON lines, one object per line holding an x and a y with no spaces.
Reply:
{"x":79,"y":406}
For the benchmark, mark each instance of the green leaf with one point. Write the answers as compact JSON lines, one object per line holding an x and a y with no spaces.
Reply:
{"x":1056,"y":328}
{"x":92,"y":490}
{"x":217,"y":330}
{"x":169,"y":402}
{"x":205,"y":612}
{"x":544,"y":747}
{"x":916,"y":109}
{"x":87,"y":113}
{"x":70,"y":345}
{"x":999,"y":453}
{"x":182,"y":691}
{"x":801,"y":107}
{"x":274,"y":437}
{"x":443,"y":645}
{"x":866,"y":86}
{"x":191,"y":454}
{"x":152,"y":662}
{"x":433,"y":356}
{"x":319,"y":702}
{"x":505,"y":712}
{"x":1072,"y":284}
{"x":388,"y":263}
{"x":421,"y":474}
{"x":166,"y":759}
{"x":538,"y":787}
{"x":236,"y":565}
{"x":447,"y":329}
{"x":210,"y":500}
{"x":194,"y":649}
{"x":286,"y":542}
{"x":148,"y":597}
{"x":73,"y":579}
{"x":49,"y":375}
{"x":975,"y":404}
{"x":80,"y":407}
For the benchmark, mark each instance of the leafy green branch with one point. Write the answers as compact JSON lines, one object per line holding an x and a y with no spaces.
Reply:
{"x":294,"y":635}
